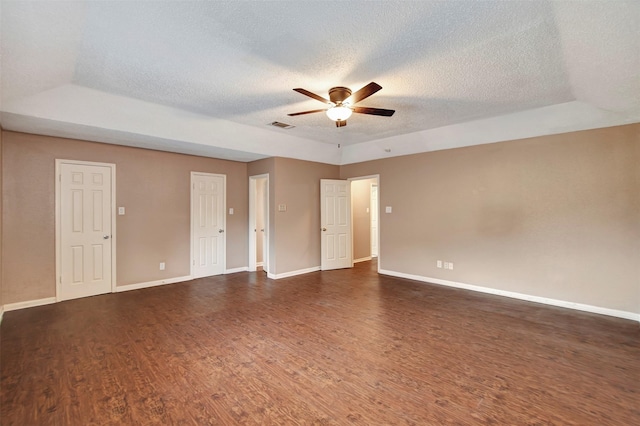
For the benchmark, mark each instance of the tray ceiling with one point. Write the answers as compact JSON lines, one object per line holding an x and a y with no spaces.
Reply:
{"x":207,"y":78}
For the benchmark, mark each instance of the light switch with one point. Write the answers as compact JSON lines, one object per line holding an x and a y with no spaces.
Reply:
{"x":230,"y":210}
{"x":121,"y":211}
{"x":367,"y":209}
{"x":388,"y":209}
{"x":282,"y":207}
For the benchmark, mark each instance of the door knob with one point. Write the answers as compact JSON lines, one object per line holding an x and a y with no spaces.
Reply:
{"x":220,"y":231}
{"x":106,"y":237}
{"x":324,"y":229}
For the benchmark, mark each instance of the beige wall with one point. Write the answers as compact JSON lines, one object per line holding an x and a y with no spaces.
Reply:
{"x":555,"y":217}
{"x":297,"y":185}
{"x":294,"y":242}
{"x":361,"y":214}
{"x":153,"y":186}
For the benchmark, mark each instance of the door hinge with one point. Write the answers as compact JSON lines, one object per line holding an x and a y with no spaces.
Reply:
{"x":60,"y":279}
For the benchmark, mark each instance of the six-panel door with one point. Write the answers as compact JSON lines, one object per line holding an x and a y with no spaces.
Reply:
{"x":207,"y":224}
{"x":85,"y":230}
{"x":335,"y":219}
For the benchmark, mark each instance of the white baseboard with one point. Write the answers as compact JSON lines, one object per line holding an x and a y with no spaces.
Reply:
{"x":259,"y":264}
{"x":29,"y":304}
{"x":138,"y":286}
{"x":1,"y":313}
{"x":362,"y":259}
{"x":293,"y":273}
{"x":529,"y":298}
{"x":235,"y":270}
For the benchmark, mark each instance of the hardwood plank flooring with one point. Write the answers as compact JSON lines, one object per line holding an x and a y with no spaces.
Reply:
{"x":336,"y":347}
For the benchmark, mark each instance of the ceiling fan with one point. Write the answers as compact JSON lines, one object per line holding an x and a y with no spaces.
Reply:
{"x":341,"y":103}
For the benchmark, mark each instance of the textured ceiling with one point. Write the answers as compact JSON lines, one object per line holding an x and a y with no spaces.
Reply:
{"x":207,"y":78}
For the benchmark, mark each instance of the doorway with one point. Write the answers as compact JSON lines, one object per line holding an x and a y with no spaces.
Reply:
{"x":85,"y":229}
{"x":259,"y":222}
{"x":365,"y":195}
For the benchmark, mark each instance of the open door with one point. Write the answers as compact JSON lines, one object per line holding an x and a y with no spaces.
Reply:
{"x":259,"y":222}
{"x":374,"y":219}
{"x":335,"y":224}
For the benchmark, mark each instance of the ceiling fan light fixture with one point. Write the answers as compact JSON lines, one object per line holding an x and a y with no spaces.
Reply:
{"x":339,"y":113}
{"x":341,"y":103}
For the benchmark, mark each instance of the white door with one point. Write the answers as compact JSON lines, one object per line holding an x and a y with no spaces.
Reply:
{"x":207,"y":224}
{"x":85,"y":209}
{"x":263,"y":223}
{"x":335,"y":223}
{"x":259,"y":222}
{"x":374,"y":220}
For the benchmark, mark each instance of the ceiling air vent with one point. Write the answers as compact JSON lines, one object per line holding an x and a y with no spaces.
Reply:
{"x":282,"y":125}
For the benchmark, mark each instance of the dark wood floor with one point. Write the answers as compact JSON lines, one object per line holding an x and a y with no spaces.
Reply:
{"x":335,"y":347}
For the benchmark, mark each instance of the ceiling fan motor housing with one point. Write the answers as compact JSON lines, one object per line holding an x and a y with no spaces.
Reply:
{"x":338,"y":94}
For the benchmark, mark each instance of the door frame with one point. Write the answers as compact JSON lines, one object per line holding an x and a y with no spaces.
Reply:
{"x":191,"y":222}
{"x":252,"y":224}
{"x":58,"y":218}
{"x":377,"y":177}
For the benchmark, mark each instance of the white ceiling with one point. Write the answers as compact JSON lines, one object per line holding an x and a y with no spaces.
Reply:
{"x":207,"y":78}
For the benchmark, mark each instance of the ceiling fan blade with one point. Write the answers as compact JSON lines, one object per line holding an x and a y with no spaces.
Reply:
{"x":306,"y":112}
{"x":373,"y":111}
{"x":312,"y":95}
{"x":363,"y":93}
{"x":341,"y":123}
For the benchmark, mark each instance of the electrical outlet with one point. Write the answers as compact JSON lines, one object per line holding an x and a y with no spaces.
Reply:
{"x":120,"y":211}
{"x":439,"y":263}
{"x":451,"y":266}
{"x":162,"y":266}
